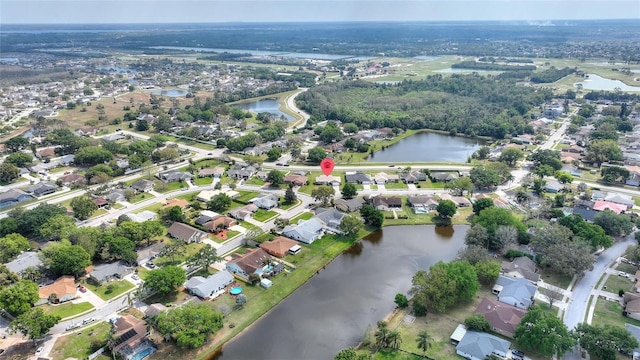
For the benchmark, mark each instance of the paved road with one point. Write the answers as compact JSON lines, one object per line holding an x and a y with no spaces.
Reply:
{"x":290,"y":102}
{"x":577,"y":307}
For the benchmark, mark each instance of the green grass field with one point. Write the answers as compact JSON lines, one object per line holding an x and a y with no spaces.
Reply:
{"x":111,"y":289}
{"x":80,"y":345}
{"x":67,"y":310}
{"x":302,"y":216}
{"x":264,"y":215}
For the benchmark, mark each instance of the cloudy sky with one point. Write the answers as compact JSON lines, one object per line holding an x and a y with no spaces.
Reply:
{"x":181,"y":11}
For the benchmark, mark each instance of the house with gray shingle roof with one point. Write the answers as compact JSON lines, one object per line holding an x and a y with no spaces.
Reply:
{"x":111,"y":271}
{"x":478,"y":346}
{"x":304,"y":231}
{"x":210,"y":287}
{"x":521,"y":267}
{"x":25,"y":260}
{"x":12,"y":197}
{"x":330,"y":218}
{"x":186,"y":233}
{"x":174,"y":176}
{"x":518,"y":292}
{"x":357,"y":177}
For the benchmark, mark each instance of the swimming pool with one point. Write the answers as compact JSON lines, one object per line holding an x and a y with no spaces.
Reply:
{"x":143,"y":354}
{"x":235,"y":290}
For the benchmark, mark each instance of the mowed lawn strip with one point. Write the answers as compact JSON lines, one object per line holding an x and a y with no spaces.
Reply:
{"x":80,"y":345}
{"x":68,"y":309}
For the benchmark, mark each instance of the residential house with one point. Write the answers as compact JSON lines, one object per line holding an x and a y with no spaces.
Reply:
{"x":210,"y":287}
{"x":241,"y":172}
{"x":24,"y":261}
{"x":116,"y":195}
{"x":616,"y":198}
{"x":266,"y":201}
{"x":262,"y":175}
{"x":600,"y":205}
{"x":174,"y":176}
{"x":207,"y":195}
{"x":412,"y":177}
{"x":631,"y":303}
{"x":279,"y":246}
{"x":244,"y":212}
{"x":251,"y":262}
{"x":460,"y":201}
{"x":479,"y":346}
{"x":295,"y":179}
{"x":100,"y":202}
{"x":143,"y":185}
{"x":386,"y":203}
{"x":306,"y":231}
{"x":443,"y":177}
{"x":86,"y":131}
{"x":330,"y":218}
{"x":182,"y":203}
{"x":73,"y":179}
{"x":587,"y":214}
{"x":357,"y":177}
{"x":515,"y":291}
{"x":553,"y":186}
{"x":42,"y":188}
{"x":327,"y":180}
{"x":382,"y":178}
{"x":206,"y":216}
{"x":154,"y":310}
{"x":143,"y":216}
{"x":113,"y":137}
{"x":216,"y":172}
{"x":62,"y":290}
{"x":521,"y":267}
{"x":220,"y":222}
{"x":503,"y":318}
{"x":46,"y":153}
{"x":149,"y":253}
{"x":13,"y":197}
{"x":131,"y":338}
{"x":186,"y":233}
{"x":349,"y":205}
{"x":107,"y":272}
{"x":422,"y":204}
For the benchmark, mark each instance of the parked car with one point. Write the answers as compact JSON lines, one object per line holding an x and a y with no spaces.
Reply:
{"x":517,"y":354}
{"x":82,"y":289}
{"x":39,"y":350}
{"x":623,"y":274}
{"x":88,"y":321}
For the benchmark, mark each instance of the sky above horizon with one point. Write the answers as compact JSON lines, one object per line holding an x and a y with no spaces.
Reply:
{"x":208,"y":11}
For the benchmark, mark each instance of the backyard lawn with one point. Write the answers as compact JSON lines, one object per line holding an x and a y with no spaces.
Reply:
{"x":110,"y":290}
{"x":79,"y":345}
{"x":264,"y":215}
{"x":559,"y":280}
{"x":68,"y":309}
{"x":610,"y":313}
{"x":254,"y":181}
{"x":285,"y":206}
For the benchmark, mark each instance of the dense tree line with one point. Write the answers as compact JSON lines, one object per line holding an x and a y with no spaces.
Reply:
{"x":472,"y":104}
{"x":551,"y":75}
{"x":617,"y":96}
{"x":491,"y":66}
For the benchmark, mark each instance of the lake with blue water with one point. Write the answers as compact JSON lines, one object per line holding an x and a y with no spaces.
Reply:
{"x":428,"y":147}
{"x":334,"y":308}
{"x":595,"y":82}
{"x":171,"y":93}
{"x":270,"y":106}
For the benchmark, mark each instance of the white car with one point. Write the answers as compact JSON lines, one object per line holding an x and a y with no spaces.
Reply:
{"x":623,"y":274}
{"x":39,"y":350}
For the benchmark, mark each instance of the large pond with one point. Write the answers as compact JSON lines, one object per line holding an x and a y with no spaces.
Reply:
{"x":334,"y":308}
{"x":428,"y":147}
{"x":266,"y":105}
{"x":595,"y":82}
{"x":171,"y":93}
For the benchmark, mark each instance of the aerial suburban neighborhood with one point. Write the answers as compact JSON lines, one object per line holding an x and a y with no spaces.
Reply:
{"x":156,"y":201}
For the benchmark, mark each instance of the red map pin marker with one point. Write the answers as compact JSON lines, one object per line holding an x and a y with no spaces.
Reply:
{"x":327,"y":166}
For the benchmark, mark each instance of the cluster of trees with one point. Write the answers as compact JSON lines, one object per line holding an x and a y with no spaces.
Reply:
{"x":470,"y":64}
{"x":372,"y":216}
{"x":443,"y":286}
{"x":188,"y":325}
{"x":551,"y":75}
{"x":490,"y":175}
{"x":487,"y":106}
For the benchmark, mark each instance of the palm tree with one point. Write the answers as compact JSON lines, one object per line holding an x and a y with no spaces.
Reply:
{"x":424,"y":342}
{"x":394,"y":340}
{"x":111,"y":341}
{"x":382,"y":337}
